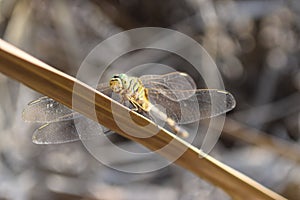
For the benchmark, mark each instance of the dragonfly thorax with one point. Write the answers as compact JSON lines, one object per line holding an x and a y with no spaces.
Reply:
{"x":131,"y":89}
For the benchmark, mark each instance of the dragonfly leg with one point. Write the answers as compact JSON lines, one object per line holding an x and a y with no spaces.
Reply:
{"x":135,"y":107}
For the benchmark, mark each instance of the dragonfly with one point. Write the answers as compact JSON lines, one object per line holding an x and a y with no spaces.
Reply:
{"x":176,"y":92}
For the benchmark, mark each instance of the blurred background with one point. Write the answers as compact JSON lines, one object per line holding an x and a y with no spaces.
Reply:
{"x":255,"y":45}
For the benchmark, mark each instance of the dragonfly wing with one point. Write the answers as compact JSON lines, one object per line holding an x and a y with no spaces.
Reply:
{"x":80,"y":128}
{"x":62,"y":124}
{"x":47,"y":110}
{"x":175,"y":81}
{"x":88,"y":129}
{"x":205,"y":103}
{"x":56,"y":133}
{"x":214,"y":102}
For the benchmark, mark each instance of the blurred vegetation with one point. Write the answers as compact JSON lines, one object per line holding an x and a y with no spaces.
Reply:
{"x":254,"y":43}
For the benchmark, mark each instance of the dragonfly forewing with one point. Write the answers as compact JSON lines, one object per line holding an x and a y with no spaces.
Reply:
{"x":47,"y":110}
{"x":175,"y":81}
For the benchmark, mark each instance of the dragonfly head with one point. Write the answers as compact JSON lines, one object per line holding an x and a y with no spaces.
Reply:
{"x":118,"y":82}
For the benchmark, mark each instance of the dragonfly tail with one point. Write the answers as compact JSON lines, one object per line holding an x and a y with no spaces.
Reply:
{"x":178,"y":130}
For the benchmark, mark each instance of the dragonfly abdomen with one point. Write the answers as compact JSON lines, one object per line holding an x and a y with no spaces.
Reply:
{"x":161,"y":115}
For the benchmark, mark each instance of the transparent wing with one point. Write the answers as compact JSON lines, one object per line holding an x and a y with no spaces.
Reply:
{"x":175,"y":81}
{"x":88,"y":129}
{"x":47,"y":110}
{"x":205,"y":103}
{"x":68,"y":131}
{"x":56,"y":133}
